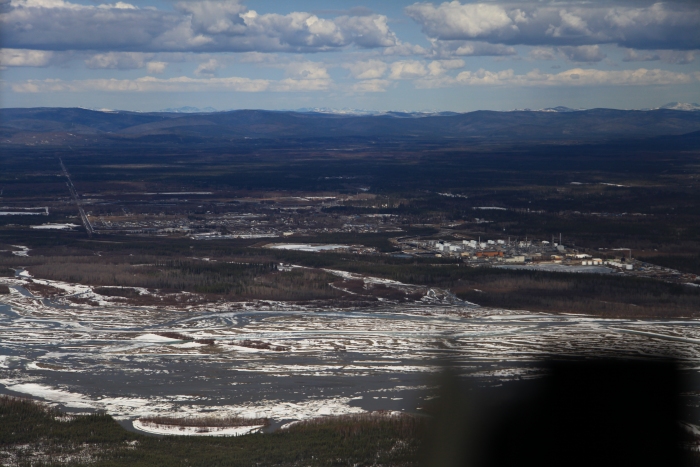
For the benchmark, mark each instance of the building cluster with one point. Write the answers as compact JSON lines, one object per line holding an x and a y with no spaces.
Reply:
{"x":505,"y":251}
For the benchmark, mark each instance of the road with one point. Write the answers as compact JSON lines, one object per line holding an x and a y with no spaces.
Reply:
{"x":74,"y":194}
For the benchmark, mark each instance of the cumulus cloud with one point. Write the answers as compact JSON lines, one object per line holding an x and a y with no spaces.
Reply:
{"x":440,"y":67}
{"x":407,"y":69}
{"x":583,"y":53}
{"x":542,"y":53}
{"x":208,"y":68}
{"x":59,"y":25}
{"x":303,"y":77}
{"x":573,"y":77}
{"x":215,"y":17}
{"x":118,"y":60}
{"x":126,"y":61}
{"x":370,"y":69}
{"x":156,"y":67}
{"x":371,"y":85}
{"x":661,"y":25}
{"x":207,"y":25}
{"x":19,"y":57}
{"x":258,"y":57}
{"x":301,"y":85}
{"x":404,"y":48}
{"x":680,"y":57}
{"x":307,"y":70}
{"x":445,"y":49}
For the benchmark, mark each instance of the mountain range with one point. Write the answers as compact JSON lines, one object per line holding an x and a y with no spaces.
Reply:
{"x":77,"y":126}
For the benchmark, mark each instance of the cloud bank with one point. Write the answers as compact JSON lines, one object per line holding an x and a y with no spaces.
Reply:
{"x":202,"y":26}
{"x":658,"y":26}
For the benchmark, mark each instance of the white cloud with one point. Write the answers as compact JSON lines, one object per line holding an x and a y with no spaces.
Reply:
{"x":156,"y":67}
{"x":370,"y":69}
{"x":44,"y":4}
{"x":307,"y":70}
{"x":482,"y":49}
{"x":215,"y":17}
{"x":447,"y":49}
{"x":180,"y":84}
{"x":583,"y":53}
{"x":454,"y":21}
{"x":119,"y":6}
{"x":661,"y":25}
{"x":19,"y":57}
{"x":126,"y":61}
{"x":118,"y":60}
{"x":371,"y":85}
{"x":680,"y":57}
{"x":146,"y":84}
{"x":208,"y":68}
{"x":407,"y":69}
{"x":543,"y":53}
{"x":404,"y":48}
{"x":301,"y":85}
{"x":573,"y":77}
{"x":440,"y":67}
{"x":207,"y":26}
{"x":258,"y":57}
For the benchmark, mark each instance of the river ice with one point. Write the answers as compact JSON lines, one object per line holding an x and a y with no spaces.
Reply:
{"x":319,"y":360}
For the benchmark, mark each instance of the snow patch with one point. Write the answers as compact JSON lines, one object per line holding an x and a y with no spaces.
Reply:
{"x":55,"y":226}
{"x":155,"y":338}
{"x":66,"y":398}
{"x":195,"y":430}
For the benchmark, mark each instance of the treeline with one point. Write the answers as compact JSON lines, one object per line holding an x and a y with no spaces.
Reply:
{"x":406,"y":426}
{"x":206,"y":421}
{"x":595,"y":294}
{"x":607,"y":295}
{"x":233,"y":279}
{"x":683,"y":263}
{"x":152,"y":273}
{"x":32,"y":434}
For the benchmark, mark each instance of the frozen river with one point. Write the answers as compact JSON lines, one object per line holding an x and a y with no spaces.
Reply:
{"x":319,"y":361}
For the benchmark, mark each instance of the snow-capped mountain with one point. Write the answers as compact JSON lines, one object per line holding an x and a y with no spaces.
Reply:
{"x":693,"y":107}
{"x":189,"y":110}
{"x":363,"y":112}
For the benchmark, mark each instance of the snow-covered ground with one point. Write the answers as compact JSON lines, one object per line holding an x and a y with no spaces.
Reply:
{"x":304,"y":360}
{"x":307,"y":247}
{"x":560,"y":268}
{"x":55,"y":226}
{"x":159,"y":429}
{"x":24,"y":251}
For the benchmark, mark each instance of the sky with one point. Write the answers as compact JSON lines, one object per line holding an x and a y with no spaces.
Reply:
{"x":382,"y":55}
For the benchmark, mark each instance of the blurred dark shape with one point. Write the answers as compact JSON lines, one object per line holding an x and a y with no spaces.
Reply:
{"x":583,"y":413}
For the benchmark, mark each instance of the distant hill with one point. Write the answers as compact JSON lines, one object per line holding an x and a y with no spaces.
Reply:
{"x":75,"y":126}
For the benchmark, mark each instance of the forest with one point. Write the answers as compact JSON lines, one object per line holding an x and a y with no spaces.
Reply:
{"x":33,"y":434}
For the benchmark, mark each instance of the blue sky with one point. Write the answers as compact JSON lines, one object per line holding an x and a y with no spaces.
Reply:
{"x":390,"y":55}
